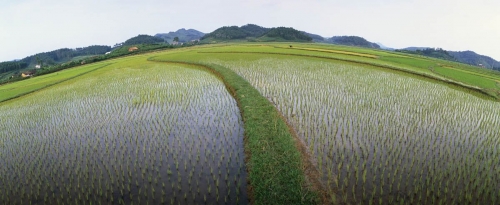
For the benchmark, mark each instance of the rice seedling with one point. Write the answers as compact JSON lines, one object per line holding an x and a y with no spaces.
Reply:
{"x":125,"y":134}
{"x":389,"y":138}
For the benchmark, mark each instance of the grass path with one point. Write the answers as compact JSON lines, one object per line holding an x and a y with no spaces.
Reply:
{"x":276,"y":165}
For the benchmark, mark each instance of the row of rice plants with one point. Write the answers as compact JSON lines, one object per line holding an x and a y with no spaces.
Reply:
{"x":383,"y":138}
{"x":124,"y":137}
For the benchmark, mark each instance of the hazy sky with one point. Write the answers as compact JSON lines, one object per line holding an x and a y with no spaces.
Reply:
{"x":31,"y":26}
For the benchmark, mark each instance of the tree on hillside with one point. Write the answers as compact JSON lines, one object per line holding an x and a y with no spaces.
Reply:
{"x":176,"y":39}
{"x":287,"y":34}
{"x":143,"y":39}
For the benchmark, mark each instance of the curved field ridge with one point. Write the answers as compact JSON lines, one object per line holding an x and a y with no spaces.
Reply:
{"x":336,"y":51}
{"x":491,"y":95}
{"x":380,"y":137}
{"x":275,"y":166}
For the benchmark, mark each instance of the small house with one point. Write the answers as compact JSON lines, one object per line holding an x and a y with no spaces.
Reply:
{"x":38,"y":66}
{"x":132,"y":49}
{"x":28,"y":74}
{"x":107,"y":53}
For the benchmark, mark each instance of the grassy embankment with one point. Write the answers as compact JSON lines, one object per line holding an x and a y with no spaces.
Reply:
{"x":274,"y":162}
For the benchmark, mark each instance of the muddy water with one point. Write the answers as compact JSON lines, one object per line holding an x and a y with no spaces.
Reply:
{"x":124,"y":138}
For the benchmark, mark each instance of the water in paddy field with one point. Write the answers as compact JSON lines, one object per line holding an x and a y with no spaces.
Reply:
{"x":382,"y":138}
{"x":171,"y":138}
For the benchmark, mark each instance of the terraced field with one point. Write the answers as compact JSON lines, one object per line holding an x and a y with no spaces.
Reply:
{"x":364,"y":127}
{"x":379,"y":136}
{"x":129,"y":133}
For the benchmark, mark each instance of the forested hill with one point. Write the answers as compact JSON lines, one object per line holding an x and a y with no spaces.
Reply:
{"x":352,"y":41}
{"x":430,"y":52}
{"x":183,"y":35}
{"x":472,"y":58}
{"x":252,"y":32}
{"x":52,"y":57}
{"x":143,"y":39}
{"x":285,"y":34}
{"x":235,"y":32}
{"x":467,"y":57}
{"x":315,"y":37}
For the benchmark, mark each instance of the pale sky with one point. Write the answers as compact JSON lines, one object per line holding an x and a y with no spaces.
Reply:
{"x":28,"y":27}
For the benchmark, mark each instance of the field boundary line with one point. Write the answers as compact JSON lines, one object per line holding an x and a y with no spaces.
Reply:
{"x":440,"y":79}
{"x":274,"y":160}
{"x":334,"y":52}
{"x":52,"y":84}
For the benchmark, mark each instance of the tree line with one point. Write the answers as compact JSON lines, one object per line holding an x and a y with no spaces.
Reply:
{"x":430,"y":52}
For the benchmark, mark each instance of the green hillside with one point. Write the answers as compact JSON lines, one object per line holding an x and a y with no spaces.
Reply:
{"x":235,"y":33}
{"x":255,"y":33}
{"x":284,"y":34}
{"x":183,"y":35}
{"x":352,"y":41}
{"x":45,"y":59}
{"x":143,"y":39}
{"x":472,"y":58}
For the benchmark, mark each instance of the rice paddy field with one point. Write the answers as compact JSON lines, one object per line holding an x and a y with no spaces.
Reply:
{"x":377,"y":127}
{"x":380,"y":137}
{"x":131,"y":133}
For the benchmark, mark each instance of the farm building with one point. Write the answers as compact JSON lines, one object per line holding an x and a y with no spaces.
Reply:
{"x":132,"y":49}
{"x":28,"y":74}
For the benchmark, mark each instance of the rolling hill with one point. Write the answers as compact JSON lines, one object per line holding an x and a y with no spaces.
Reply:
{"x":62,"y":55}
{"x":315,"y":37}
{"x":472,"y":58}
{"x":352,"y":41}
{"x":183,"y":35}
{"x":143,"y":39}
{"x":467,"y":57}
{"x":284,"y":34}
{"x":235,"y":33}
{"x":252,"y":32}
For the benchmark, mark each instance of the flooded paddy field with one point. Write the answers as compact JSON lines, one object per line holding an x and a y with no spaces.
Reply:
{"x":130,"y":133}
{"x":379,"y":137}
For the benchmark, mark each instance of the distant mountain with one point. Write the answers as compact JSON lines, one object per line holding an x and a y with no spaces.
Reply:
{"x":352,"y":41}
{"x":51,"y":58}
{"x":284,"y":34}
{"x":315,"y":37}
{"x":472,"y":58}
{"x":415,"y":48}
{"x":467,"y":57}
{"x":252,"y":32}
{"x":143,"y":39}
{"x":430,"y":52}
{"x":183,"y":35}
{"x":385,"y":47}
{"x":235,"y":32}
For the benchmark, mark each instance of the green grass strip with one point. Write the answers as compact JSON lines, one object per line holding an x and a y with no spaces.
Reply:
{"x":488,"y":94}
{"x":21,"y":93}
{"x":273,"y":160}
